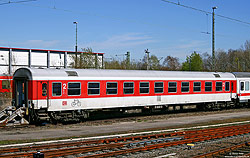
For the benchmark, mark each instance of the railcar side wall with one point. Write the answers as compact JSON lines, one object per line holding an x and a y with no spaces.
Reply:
{"x":143,"y":93}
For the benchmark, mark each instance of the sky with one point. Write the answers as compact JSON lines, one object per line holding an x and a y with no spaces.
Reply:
{"x":114,"y":27}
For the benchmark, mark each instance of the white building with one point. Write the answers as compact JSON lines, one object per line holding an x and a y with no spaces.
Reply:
{"x":13,"y":58}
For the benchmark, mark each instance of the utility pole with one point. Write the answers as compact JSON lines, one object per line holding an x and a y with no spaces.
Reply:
{"x":76,"y":44}
{"x":147,"y":52}
{"x":213,"y":54}
{"x":128,"y":60}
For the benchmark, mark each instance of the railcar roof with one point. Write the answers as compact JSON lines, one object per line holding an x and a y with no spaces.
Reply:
{"x":242,"y":74}
{"x":98,"y":73}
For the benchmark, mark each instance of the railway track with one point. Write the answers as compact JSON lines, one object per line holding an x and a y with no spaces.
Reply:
{"x":240,"y":150}
{"x":125,"y":145}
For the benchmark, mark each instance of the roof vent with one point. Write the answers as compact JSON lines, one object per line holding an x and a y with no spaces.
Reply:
{"x":217,"y":75}
{"x":72,"y":73}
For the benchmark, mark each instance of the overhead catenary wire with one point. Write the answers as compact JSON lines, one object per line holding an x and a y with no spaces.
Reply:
{"x":206,"y":12}
{"x":109,"y":17}
{"x":9,"y":2}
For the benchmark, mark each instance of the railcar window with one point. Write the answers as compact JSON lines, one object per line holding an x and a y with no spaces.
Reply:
{"x":247,"y":86}
{"x":5,"y":84}
{"x":218,"y":86}
{"x":159,"y":87}
{"x":111,"y":88}
{"x":197,"y":86}
{"x":44,"y":89}
{"x":74,"y":89}
{"x":232,"y":86}
{"x":128,"y":88}
{"x":208,"y":86}
{"x":56,"y":89}
{"x":93,"y":88}
{"x":144,"y":87}
{"x":184,"y":86}
{"x":172,"y":87}
{"x":242,"y":86}
{"x":227,"y":86}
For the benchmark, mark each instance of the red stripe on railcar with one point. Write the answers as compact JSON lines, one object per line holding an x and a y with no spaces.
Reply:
{"x":35,"y":91}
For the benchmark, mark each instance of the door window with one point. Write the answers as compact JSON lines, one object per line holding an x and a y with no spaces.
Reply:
{"x":44,"y":89}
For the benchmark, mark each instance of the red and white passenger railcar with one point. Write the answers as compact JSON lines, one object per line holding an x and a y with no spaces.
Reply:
{"x":77,"y":91}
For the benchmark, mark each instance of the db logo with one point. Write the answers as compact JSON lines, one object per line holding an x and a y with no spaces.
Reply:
{"x":64,"y":103}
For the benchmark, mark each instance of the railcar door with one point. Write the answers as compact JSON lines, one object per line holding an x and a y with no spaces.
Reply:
{"x":21,"y":91}
{"x":44,"y":93}
{"x":243,"y":89}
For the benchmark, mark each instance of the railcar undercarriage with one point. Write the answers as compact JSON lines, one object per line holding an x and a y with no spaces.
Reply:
{"x":42,"y":115}
{"x":22,"y":115}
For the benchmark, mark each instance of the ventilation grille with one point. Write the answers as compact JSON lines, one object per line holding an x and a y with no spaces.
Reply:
{"x":217,"y":75}
{"x":72,"y":73}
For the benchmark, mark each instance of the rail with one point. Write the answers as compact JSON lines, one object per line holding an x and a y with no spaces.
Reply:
{"x":126,"y":144}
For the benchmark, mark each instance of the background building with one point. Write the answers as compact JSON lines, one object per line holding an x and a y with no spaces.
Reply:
{"x":13,"y":58}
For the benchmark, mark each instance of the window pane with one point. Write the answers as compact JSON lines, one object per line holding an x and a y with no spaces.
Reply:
{"x":93,"y":91}
{"x":186,"y":84}
{"x":242,"y":86}
{"x":197,"y":86}
{"x":208,"y":86}
{"x":172,"y":87}
{"x":74,"y":89}
{"x":111,"y":91}
{"x":56,"y":89}
{"x":218,"y":86}
{"x":74,"y":92}
{"x":93,"y":88}
{"x":158,"y":84}
{"x":111,"y":85}
{"x":94,"y":85}
{"x":247,"y":85}
{"x":144,"y":90}
{"x":74,"y":85}
{"x":44,"y":89}
{"x":128,"y":88}
{"x":144,"y":87}
{"x":128,"y":84}
{"x":128,"y":91}
{"x":185,"y":87}
{"x":158,"y":87}
{"x":144,"y":84}
{"x":227,"y":86}
{"x":172,"y":84}
{"x":111,"y":88}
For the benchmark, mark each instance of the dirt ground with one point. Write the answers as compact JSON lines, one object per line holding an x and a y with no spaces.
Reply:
{"x":88,"y":129}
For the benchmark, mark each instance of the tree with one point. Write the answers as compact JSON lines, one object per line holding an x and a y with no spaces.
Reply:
{"x":154,"y":63}
{"x":193,"y":63}
{"x":221,"y":59}
{"x":114,"y":64}
{"x":85,"y":59}
{"x":207,"y":62}
{"x":171,"y":63}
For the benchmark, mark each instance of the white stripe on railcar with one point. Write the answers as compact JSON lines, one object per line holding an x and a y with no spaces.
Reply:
{"x":120,"y":102}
